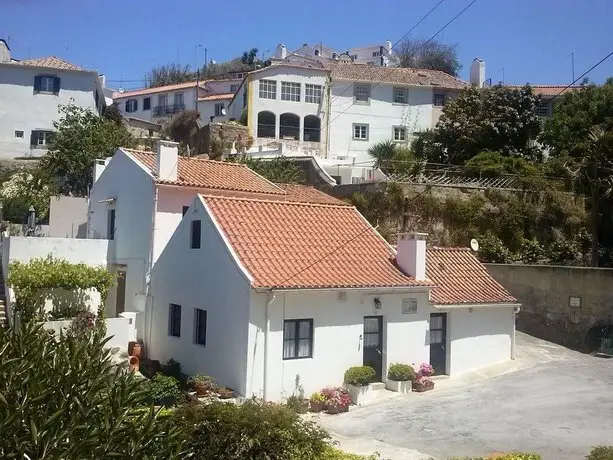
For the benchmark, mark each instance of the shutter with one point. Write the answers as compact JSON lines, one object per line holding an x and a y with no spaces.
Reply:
{"x":56,"y":85}
{"x":37,"y":80}
{"x":34,"y":138}
{"x":135,"y":105}
{"x":127,"y":106}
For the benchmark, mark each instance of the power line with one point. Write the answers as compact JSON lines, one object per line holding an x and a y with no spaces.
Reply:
{"x":368,"y":228}
{"x":424,"y":44}
{"x":583,"y":74}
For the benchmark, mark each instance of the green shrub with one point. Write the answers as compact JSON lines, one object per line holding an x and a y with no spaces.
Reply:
{"x":601,"y":453}
{"x":202,"y":384}
{"x":401,"y":372}
{"x":163,"y":390}
{"x":173,"y":368}
{"x":511,"y":456}
{"x":359,"y":376}
{"x":297,"y":404}
{"x":253,"y":430}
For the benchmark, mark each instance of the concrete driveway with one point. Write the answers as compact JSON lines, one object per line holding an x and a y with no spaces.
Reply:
{"x":550,"y":401}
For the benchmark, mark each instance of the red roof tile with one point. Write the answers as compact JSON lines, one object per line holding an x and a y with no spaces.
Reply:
{"x":50,"y":62}
{"x":550,"y":90}
{"x":461,"y":279}
{"x":217,"y":97}
{"x":292,"y":245}
{"x":196,"y":172}
{"x":309,"y":194}
{"x":157,"y":89}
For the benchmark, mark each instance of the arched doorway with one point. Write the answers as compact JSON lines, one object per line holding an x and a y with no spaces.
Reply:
{"x":289,"y":126}
{"x":267,"y":124}
{"x":312,"y":129}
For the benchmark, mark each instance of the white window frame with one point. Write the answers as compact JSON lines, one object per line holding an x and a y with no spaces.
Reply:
{"x":162,"y":100}
{"x":312,"y":93}
{"x":437,"y":96}
{"x":19,"y":134}
{"x":267,"y":89}
{"x":178,"y":99}
{"x":290,"y":91}
{"x":542,"y":110}
{"x":359,"y":92}
{"x":42,"y":137}
{"x":131,"y":105}
{"x":403,"y":93}
{"x":362,"y":134}
{"x":219,"y":106}
{"x":399,"y":133}
{"x":47,"y":84}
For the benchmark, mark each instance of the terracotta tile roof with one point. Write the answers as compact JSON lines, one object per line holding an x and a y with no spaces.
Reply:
{"x":309,"y":194}
{"x":550,"y":90}
{"x":196,"y":172}
{"x":461,"y":279}
{"x":217,"y":97}
{"x":291,"y":245}
{"x":157,"y":89}
{"x":50,"y":62}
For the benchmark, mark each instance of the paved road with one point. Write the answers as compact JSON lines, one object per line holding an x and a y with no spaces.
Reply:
{"x":552,"y":401}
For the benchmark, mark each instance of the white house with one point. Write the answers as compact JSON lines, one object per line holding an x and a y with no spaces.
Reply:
{"x":338,"y":110}
{"x":377,"y":55}
{"x":267,"y":296}
{"x":138,"y":199}
{"x":31,"y":92}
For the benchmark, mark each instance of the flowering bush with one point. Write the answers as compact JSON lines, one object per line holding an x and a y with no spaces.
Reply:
{"x":336,"y":397}
{"x":317,"y":397}
{"x":22,"y":190}
{"x":423,"y":380}
{"x":424,"y":369}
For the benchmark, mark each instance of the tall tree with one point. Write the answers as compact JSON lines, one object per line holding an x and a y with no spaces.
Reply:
{"x":80,"y":138}
{"x":250,"y":57}
{"x":168,"y":75}
{"x":497,"y":119}
{"x":423,"y":54}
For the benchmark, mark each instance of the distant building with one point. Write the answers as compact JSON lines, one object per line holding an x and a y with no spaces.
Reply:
{"x":377,"y":55}
{"x":31,"y":92}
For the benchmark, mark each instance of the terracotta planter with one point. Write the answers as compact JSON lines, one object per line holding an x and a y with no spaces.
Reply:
{"x":317,"y":406}
{"x":134,"y":363}
{"x":137,"y":350}
{"x":421,"y":388}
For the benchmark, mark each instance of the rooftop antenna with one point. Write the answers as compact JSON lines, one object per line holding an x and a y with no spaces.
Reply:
{"x":572,"y":63}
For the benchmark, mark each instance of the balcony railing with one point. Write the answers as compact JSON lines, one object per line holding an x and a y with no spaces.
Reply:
{"x":162,"y":110}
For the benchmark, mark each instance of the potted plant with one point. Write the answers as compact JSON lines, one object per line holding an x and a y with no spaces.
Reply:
{"x":400,"y":378}
{"x":357,"y":381}
{"x":225,"y":393}
{"x":204,"y":385}
{"x":317,"y":402}
{"x":337,"y":400}
{"x":423,"y":382}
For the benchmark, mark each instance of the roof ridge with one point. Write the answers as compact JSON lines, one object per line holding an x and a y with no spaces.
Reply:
{"x":243,"y":165}
{"x":448,"y":248}
{"x":262,"y":200}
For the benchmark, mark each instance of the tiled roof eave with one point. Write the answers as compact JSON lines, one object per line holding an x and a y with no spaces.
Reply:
{"x":416,"y":285}
{"x":503,"y":303}
{"x":201,"y":186}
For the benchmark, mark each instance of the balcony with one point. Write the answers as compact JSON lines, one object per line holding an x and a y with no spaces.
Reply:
{"x":163,"y":110}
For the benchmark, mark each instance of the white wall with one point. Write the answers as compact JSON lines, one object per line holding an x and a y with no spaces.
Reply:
{"x":381,"y":114}
{"x":22,"y":110}
{"x":479,"y":338}
{"x":118,"y":329}
{"x":92,"y":252}
{"x":133,"y":189}
{"x":189,"y":100}
{"x":208,"y":279}
{"x":68,"y":217}
{"x":336,"y":343}
{"x":207,"y":110}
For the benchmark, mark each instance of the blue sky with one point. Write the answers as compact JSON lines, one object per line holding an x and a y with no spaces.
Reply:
{"x":531,"y":39}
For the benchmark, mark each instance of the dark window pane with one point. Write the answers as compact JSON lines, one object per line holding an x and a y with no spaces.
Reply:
{"x":195,"y":236}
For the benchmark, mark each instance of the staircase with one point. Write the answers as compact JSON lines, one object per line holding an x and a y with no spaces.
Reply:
{"x":3,"y":319}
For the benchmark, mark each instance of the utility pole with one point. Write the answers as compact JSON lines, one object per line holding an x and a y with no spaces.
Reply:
{"x":572,"y":62}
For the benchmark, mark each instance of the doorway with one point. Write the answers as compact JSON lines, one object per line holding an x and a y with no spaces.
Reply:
{"x":120,"y":293}
{"x":372,"y":348}
{"x":438,"y":342}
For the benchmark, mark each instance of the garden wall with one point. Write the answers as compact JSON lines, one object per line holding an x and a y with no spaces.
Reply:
{"x":121,"y":330}
{"x":566,"y":305}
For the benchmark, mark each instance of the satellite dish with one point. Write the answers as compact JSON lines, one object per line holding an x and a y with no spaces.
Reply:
{"x":121,"y":90}
{"x":474,"y":245}
{"x":223,"y":112}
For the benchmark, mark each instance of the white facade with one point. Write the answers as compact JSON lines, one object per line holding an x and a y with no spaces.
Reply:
{"x":28,"y":114}
{"x":212,"y":107}
{"x":379,"y":55}
{"x":157,"y":104}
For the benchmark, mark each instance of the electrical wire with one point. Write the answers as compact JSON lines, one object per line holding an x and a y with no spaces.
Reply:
{"x":583,"y":75}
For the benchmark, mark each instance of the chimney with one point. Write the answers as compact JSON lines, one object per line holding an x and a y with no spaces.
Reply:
{"x":167,"y":163}
{"x":5,"y":51}
{"x":281,"y":51}
{"x":411,"y":254}
{"x":388,"y":46}
{"x":477,"y":72}
{"x":99,"y":167}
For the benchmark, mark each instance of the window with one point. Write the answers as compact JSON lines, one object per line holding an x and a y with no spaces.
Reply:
{"x":199,"y":326}
{"x":360,"y":132}
{"x":179,"y":100}
{"x":312,"y":93}
{"x":542,"y":110}
{"x":195,"y":234}
{"x":147,"y":103}
{"x":401,"y":96}
{"x":399,"y":133}
{"x":376,"y":53}
{"x":297,"y":338}
{"x":290,"y":91}
{"x":46,"y":84}
{"x":354,"y":57}
{"x":184,"y":211}
{"x":163,"y":100}
{"x":268,"y":89}
{"x":19,"y":134}
{"x":131,"y":105}
{"x":234,"y":88}
{"x":39,"y":139}
{"x":439,"y":99}
{"x":110,"y":224}
{"x":174,"y":320}
{"x":361,"y":93}
{"x":218,"y":109}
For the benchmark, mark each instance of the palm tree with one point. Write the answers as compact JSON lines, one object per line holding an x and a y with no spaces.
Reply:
{"x":383,"y":152}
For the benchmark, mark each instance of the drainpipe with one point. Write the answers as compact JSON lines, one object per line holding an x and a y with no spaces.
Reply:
{"x":515,"y":311}
{"x":148,"y":297}
{"x":269,"y":300}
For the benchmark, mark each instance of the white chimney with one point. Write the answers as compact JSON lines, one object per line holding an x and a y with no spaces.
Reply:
{"x":388,"y":46}
{"x":281,"y":51}
{"x":477,"y":72}
{"x":5,"y":51}
{"x":411,"y":254}
{"x":99,"y":167}
{"x":167,"y":164}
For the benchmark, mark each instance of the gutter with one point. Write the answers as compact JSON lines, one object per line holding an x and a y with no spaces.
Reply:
{"x":476,"y":305}
{"x":373,"y":290}
{"x":148,"y":297}
{"x":269,"y":300}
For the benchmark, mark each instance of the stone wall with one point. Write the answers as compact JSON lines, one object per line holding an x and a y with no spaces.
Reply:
{"x":566,"y":305}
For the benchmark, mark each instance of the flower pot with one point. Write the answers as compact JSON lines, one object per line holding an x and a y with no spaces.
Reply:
{"x":399,"y":386}
{"x":333,"y":410}
{"x":343,"y":409}
{"x":134,"y":363}
{"x":137,"y":350}
{"x":317,"y":406}
{"x":360,"y":395}
{"x":421,"y":388}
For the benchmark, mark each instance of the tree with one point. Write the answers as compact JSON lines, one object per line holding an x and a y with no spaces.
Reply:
{"x":25,"y":188}
{"x":81,"y":136}
{"x":64,"y":398}
{"x":497,"y":119}
{"x":383,"y":153}
{"x":168,"y":75}
{"x":280,"y":170}
{"x":113,"y":113}
{"x":423,"y":54}
{"x":184,"y":129}
{"x":250,"y":57}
